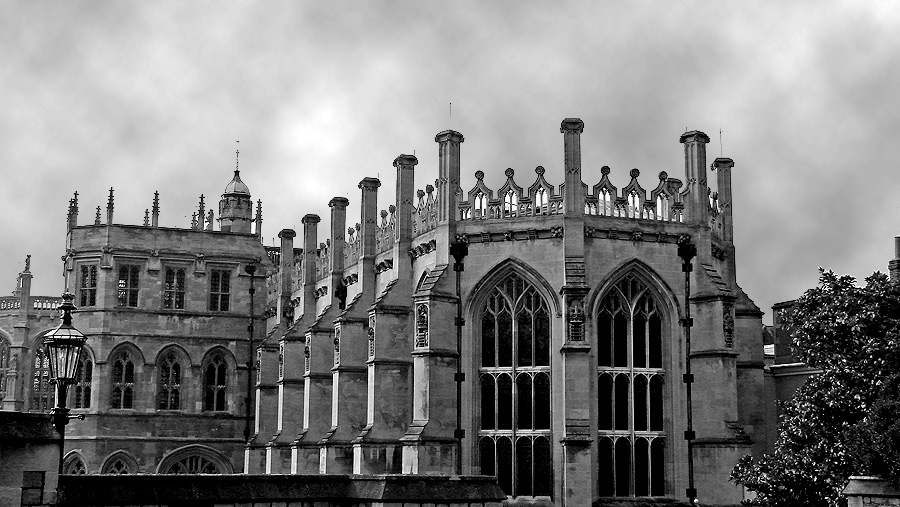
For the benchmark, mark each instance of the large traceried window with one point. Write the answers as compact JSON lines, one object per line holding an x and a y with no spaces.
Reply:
{"x":122,"y":394}
{"x":630,"y":385}
{"x":514,"y":440}
{"x":195,"y":459}
{"x":42,"y":392}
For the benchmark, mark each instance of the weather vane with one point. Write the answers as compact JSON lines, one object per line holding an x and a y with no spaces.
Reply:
{"x":237,"y":154}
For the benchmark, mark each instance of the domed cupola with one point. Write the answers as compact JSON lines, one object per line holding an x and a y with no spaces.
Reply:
{"x":235,"y":207}
{"x":237,"y":186}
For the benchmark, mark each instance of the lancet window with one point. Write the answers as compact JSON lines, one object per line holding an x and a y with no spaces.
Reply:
{"x":88,"y":285}
{"x":83,"y":376}
{"x":215,"y":380}
{"x":42,"y":395}
{"x":173,"y":290}
{"x":122,"y":394}
{"x":169,"y":393}
{"x":129,"y":285}
{"x":631,"y":379}
{"x":514,"y":438}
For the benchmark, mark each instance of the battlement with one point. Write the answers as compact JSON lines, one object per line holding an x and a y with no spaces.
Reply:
{"x":235,"y":217}
{"x":425,"y":222}
{"x":48,"y":304}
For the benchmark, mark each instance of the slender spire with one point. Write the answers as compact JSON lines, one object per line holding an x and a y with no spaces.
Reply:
{"x":109,"y":207}
{"x":155,"y":221}
{"x":97,"y":218}
{"x":146,"y":217}
{"x":201,"y":215}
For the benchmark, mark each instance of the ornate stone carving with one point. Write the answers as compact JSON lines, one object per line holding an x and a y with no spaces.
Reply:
{"x":421,"y":325}
{"x":637,"y":235}
{"x":718,"y":253}
{"x":576,"y":322}
{"x":728,"y":324}
{"x":556,"y":232}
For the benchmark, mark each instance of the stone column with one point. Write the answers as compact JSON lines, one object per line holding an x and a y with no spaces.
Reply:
{"x":448,"y":190}
{"x":348,"y":415}
{"x":290,"y":371}
{"x":578,"y":371}
{"x":319,"y":352}
{"x":696,"y":195}
{"x":376,"y":449}
{"x":18,"y":350}
{"x":894,"y":265}
{"x":429,"y":445}
{"x":266,"y":412}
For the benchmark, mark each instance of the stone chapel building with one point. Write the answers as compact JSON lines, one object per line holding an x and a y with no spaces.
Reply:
{"x":162,"y":380}
{"x":533,"y":333}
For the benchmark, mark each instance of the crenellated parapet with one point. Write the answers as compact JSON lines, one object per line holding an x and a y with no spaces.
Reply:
{"x":663,"y":203}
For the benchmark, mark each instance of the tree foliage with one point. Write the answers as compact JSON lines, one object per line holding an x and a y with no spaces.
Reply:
{"x":844,"y":421}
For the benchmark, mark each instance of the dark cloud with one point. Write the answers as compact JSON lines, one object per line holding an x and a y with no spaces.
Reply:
{"x":153,"y":96}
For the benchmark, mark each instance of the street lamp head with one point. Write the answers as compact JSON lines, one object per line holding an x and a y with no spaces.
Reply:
{"x":63,"y":345}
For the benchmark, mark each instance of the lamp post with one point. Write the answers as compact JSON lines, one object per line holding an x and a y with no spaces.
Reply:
{"x":687,"y":250}
{"x":63,"y":347}
{"x":459,"y":250}
{"x":250,"y":269}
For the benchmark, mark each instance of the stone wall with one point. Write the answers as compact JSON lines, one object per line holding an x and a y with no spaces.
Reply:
{"x":870,"y":492}
{"x":29,"y":457}
{"x":279,"y":490}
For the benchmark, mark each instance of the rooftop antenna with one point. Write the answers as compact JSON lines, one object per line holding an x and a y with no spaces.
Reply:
{"x":451,"y":111}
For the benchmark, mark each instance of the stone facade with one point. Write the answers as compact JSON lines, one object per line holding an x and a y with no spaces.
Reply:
{"x":534,"y":333}
{"x":163,"y":381}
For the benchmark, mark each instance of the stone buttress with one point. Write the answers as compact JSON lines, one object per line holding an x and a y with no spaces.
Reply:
{"x":351,"y":337}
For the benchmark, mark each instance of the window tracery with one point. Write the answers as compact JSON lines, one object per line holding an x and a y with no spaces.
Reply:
{"x":514,"y":385}
{"x":122,"y":393}
{"x":169,"y":389}
{"x":631,"y":380}
{"x":215,"y":380}
{"x":83,"y":376}
{"x":42,"y":394}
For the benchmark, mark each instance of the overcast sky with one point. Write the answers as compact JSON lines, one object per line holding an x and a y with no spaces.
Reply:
{"x":146,"y":96}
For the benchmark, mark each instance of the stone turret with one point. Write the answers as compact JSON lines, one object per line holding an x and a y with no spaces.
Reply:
{"x":236,"y":207}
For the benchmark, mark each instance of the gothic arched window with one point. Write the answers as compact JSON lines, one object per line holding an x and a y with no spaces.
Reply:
{"x":215,"y":378}
{"x":83,"y":376}
{"x":169,"y":393}
{"x":74,"y":465}
{"x":122,"y":394}
{"x":4,"y":365}
{"x":630,"y":385}
{"x":42,"y":395}
{"x":119,"y":463}
{"x":195,"y":459}
{"x":514,"y":440}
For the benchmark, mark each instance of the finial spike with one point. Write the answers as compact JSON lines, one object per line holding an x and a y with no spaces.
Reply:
{"x":156,"y":209}
{"x":237,"y":154}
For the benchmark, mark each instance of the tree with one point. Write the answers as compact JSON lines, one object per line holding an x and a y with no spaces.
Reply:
{"x":843,"y":421}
